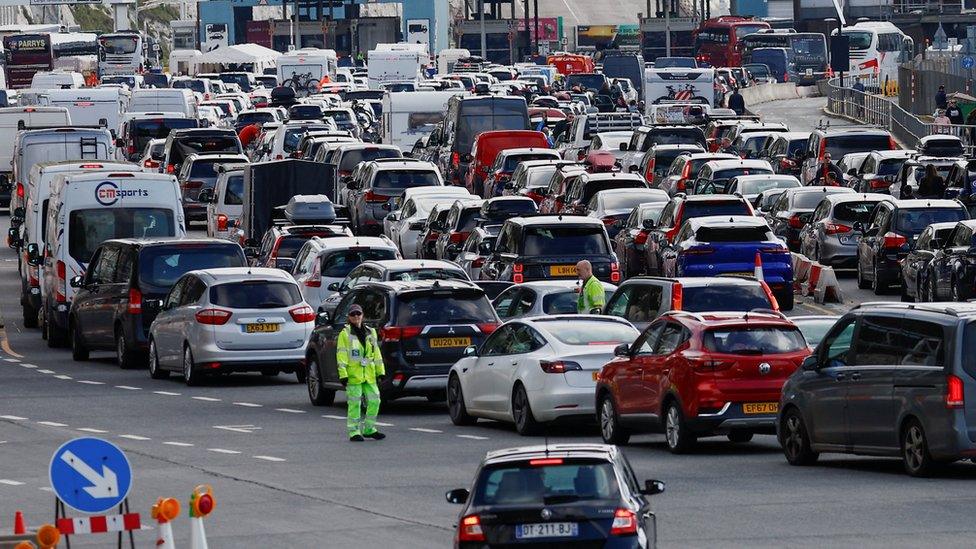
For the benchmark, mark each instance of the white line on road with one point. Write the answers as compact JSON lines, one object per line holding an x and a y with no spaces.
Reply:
{"x":128,"y":387}
{"x":246,"y":429}
{"x":223,"y":451}
{"x":381,"y":424}
{"x":247,"y":404}
{"x":45,"y":371}
{"x":11,"y":482}
{"x":90,"y":430}
{"x":52,"y":424}
{"x":269,"y":458}
{"x":14,"y":418}
{"x":331,"y":416}
{"x":167,"y":393}
{"x":472,"y":437}
{"x":29,"y":366}
{"x":290,"y":411}
{"x":62,"y":376}
{"x":11,"y":360}
{"x":45,"y":488}
{"x":134,"y":437}
{"x":90,"y":382}
{"x":180,"y":444}
{"x":425,"y":430}
{"x":206,"y":399}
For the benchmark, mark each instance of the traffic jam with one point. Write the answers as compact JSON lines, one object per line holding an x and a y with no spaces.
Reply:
{"x":571,"y":242}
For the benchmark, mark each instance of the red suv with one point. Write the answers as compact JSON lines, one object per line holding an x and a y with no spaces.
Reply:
{"x":699,"y":374}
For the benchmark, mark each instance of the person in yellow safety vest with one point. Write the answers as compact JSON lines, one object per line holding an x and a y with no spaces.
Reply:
{"x":360,"y":365}
{"x":591,"y":298}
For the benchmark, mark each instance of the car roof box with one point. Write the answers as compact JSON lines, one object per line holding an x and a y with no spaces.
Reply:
{"x":304,"y":209}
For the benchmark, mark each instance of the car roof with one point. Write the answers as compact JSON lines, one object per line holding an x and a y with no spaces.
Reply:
{"x":765,"y":177}
{"x":714,"y":156}
{"x":857,"y":197}
{"x":713,"y":198}
{"x":695,"y":282}
{"x":962,"y":309}
{"x":404,"y":164}
{"x":928,"y":138}
{"x":340,"y":242}
{"x":818,"y":188}
{"x":578,"y":449}
{"x":926,"y":203}
{"x":555,"y":220}
{"x":900,"y":153}
{"x":611,"y":176}
{"x":793,"y":135}
{"x":850,"y":130}
{"x":402,"y":286}
{"x":166,"y":241}
{"x":733,"y":163}
{"x":558,"y":285}
{"x":398,"y":264}
{"x":238,"y":274}
{"x":731,"y":318}
{"x":678,"y":147}
{"x":729,"y":221}
{"x":529,"y":150}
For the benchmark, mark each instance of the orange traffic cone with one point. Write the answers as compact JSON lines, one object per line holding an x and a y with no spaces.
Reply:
{"x":19,"y":526}
{"x":757,"y":272}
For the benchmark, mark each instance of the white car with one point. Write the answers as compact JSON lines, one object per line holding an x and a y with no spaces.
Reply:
{"x":542,"y":297}
{"x":322,"y":261}
{"x":288,"y":135}
{"x":535,"y":370}
{"x":404,"y":226}
{"x":225,"y":202}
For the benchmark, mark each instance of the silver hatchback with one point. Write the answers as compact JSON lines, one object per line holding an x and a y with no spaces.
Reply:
{"x":231,"y":320}
{"x":833,"y":232}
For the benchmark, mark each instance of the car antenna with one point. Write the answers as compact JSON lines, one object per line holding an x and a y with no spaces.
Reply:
{"x":547,"y":444}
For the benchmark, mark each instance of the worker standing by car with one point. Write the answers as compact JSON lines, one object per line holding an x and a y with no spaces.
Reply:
{"x":591,"y":298}
{"x":360,"y":366}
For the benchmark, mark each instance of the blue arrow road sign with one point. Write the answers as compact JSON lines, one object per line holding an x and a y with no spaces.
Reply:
{"x":90,"y":475}
{"x":967,"y":62}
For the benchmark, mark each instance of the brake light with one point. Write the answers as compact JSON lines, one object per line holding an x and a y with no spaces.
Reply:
{"x":33,"y":277}
{"x":488,"y":327}
{"x":517,"y":269}
{"x":624,"y":523}
{"x":456,"y":160}
{"x":396,"y":333}
{"x":545,"y":461}
{"x":221,"y":222}
{"x":891,"y":143}
{"x":20,"y":190}
{"x":609,"y":221}
{"x":796,"y":222}
{"x":470,"y":529}
{"x":614,"y":272}
{"x":192,"y":184}
{"x":559,"y":366}
{"x":641,"y":238}
{"x":458,"y":238}
{"x":61,"y":288}
{"x":314,"y":281}
{"x":823,"y":149}
{"x":135,"y":301}
{"x":677,"y":293}
{"x":478,"y":262}
{"x":836,"y":228}
{"x":170,"y":168}
{"x":649,"y":173}
{"x":213,"y":317}
{"x":955,"y":394}
{"x":769,"y":295}
{"x":370,"y":196}
{"x":150,"y":163}
{"x":786,"y":164}
{"x":302,"y":314}
{"x":131,"y":149}
{"x":880,"y":183}
{"x":894,"y":240}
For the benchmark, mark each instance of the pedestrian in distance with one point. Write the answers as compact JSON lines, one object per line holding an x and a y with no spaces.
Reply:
{"x":591,"y":295}
{"x":932,"y":185}
{"x":954,"y":113}
{"x":360,"y":365}
{"x":858,"y":85}
{"x":940,"y":98}
{"x":941,"y":122}
{"x":736,"y":102}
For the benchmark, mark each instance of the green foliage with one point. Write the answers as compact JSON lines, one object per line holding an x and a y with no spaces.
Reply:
{"x":92,"y":18}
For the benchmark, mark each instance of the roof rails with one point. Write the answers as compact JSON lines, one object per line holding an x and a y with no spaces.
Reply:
{"x":930,"y":307}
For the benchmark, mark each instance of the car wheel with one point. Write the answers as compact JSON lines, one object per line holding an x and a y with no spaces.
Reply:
{"x":156,"y":371}
{"x":190,"y":374}
{"x":740,"y":436}
{"x":301,"y":373}
{"x":610,"y":428}
{"x":915,"y":450}
{"x":876,"y":286}
{"x":525,"y":422}
{"x":904,"y":291}
{"x":317,"y":394}
{"x":455,"y":404}
{"x":795,"y":441}
{"x":954,"y":290}
{"x":861,"y":282}
{"x":78,"y":350}
{"x":30,"y":316}
{"x":679,"y":439}
{"x":56,"y":338}
{"x":123,"y":356}
{"x":785,"y":299}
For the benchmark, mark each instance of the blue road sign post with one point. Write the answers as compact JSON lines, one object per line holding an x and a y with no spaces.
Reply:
{"x":967,"y":62}
{"x":90,"y":475}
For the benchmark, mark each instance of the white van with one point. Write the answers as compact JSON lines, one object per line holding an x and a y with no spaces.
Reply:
{"x":91,"y":106}
{"x":88,"y":209}
{"x":409,"y":116}
{"x":51,"y":145}
{"x":396,"y":65}
{"x":31,"y":239}
{"x":448,"y":57}
{"x":57,"y":80}
{"x":14,"y":119}
{"x":164,"y":100}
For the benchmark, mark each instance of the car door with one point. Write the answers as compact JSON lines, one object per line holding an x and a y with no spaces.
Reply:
{"x":328,"y":336}
{"x":824,"y":390}
{"x":916,"y":260}
{"x":878,"y":350}
{"x":656,"y":378}
{"x":941,"y":266}
{"x":866,"y":246}
{"x":214,"y":206}
{"x":524,"y":304}
{"x":812,"y":232}
{"x":168,"y":350}
{"x":631,"y":399}
{"x":505,"y":372}
{"x":482,"y":397}
{"x":85,"y":299}
{"x":102,"y":300}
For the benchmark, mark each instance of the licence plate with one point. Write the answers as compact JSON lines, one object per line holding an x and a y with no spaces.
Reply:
{"x":760,"y":408}
{"x":444,"y":342}
{"x":850,"y":239}
{"x":547,"y":530}
{"x":562,"y":270}
{"x":595,"y":374}
{"x":262,"y":328}
{"x":809,"y":72}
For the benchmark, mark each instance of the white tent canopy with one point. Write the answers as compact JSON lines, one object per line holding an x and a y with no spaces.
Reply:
{"x":254,"y":56}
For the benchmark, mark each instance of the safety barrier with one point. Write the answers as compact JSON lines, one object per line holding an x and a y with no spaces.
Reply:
{"x":812,"y":279}
{"x":762,"y":93}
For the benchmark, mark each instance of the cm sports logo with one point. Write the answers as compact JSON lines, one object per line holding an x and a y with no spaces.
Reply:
{"x":108,"y":193}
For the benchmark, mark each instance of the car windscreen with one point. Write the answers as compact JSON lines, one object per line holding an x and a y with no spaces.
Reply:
{"x":594,"y":187}
{"x":352,"y":158}
{"x":118,"y":45}
{"x":222,"y":106}
{"x":207,"y":169}
{"x":429,"y":274}
{"x":502,"y":210}
{"x":852,"y":212}
{"x":288,"y":246}
{"x":87,"y":229}
{"x":890,"y":167}
{"x":759,"y":340}
{"x":759,"y":185}
{"x":405,"y":179}
{"x":305,"y":112}
{"x":732,"y":234}
{"x":143,"y":131}
{"x":565,"y":302}
{"x":589,"y":332}
{"x":239,"y":79}
{"x":194,"y":84}
{"x":556,"y":240}
{"x":512,"y":162}
{"x":725,"y":207}
{"x":736,"y":172}
{"x":339,"y":263}
{"x":795,"y":147}
{"x":490,"y":114}
{"x":807,"y":201}
{"x":814,"y":330}
{"x":675,"y":136}
{"x":162,"y":266}
{"x":840,"y":145}
{"x":539,"y":177}
{"x":913,"y":221}
{"x":675,"y":63}
{"x":559,"y":481}
{"x":944,"y":147}
{"x":758,"y":70}
{"x":620,"y":201}
{"x":340,"y":116}
{"x":586,"y":81}
{"x":664,"y":159}
{"x":248,"y":118}
{"x":255,"y":294}
{"x":293,"y":136}
{"x":698,"y":299}
{"x":468,"y":219}
{"x":444,"y":307}
{"x":187,"y":145}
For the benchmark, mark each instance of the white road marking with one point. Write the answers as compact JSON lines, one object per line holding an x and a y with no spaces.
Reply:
{"x":89,"y":382}
{"x":223,"y":451}
{"x":128,"y":387}
{"x":247,"y":404}
{"x":381,"y":424}
{"x":90,"y":430}
{"x":425,"y":430}
{"x":167,"y":393}
{"x":472,"y":437}
{"x":11,"y":482}
{"x":180,"y":444}
{"x":45,"y":488}
{"x":30,"y":366}
{"x":14,"y":418}
{"x":52,"y":424}
{"x":269,"y":458}
{"x":330,"y":416}
{"x":290,"y":411}
{"x":11,"y":360}
{"x":246,"y":429}
{"x":134,"y":437}
{"x":45,"y":371}
{"x":206,"y":399}
{"x":62,"y":376}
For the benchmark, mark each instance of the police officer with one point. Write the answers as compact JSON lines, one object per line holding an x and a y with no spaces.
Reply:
{"x":360,"y":368}
{"x":591,"y":298}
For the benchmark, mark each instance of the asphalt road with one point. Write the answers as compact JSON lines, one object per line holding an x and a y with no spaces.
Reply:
{"x":285,"y":476}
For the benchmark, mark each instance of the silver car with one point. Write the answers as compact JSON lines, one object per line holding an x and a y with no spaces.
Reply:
{"x":834,"y":229}
{"x":542,"y":297}
{"x":231,"y":320}
{"x":379,"y":183}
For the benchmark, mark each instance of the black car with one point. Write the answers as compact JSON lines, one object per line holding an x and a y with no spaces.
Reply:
{"x":952,"y":269}
{"x":914,"y":268}
{"x":891,"y":233}
{"x":557,"y":495}
{"x":630,"y":244}
{"x":182,"y":143}
{"x":423,"y":329}
{"x":548,"y":248}
{"x":120,"y":293}
{"x":136,"y":133}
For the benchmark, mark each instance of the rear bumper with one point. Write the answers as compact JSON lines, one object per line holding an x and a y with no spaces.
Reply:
{"x":248,"y":360}
{"x":409,"y":380}
{"x":731,"y":417}
{"x":558,"y":401}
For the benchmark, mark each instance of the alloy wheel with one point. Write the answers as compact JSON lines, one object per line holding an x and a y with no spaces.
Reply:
{"x":606,"y":420}
{"x":672,"y":427}
{"x":914,"y":448}
{"x":793,"y":441}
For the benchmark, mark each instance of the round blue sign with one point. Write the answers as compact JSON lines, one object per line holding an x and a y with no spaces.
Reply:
{"x":90,"y":475}
{"x":967,"y":62}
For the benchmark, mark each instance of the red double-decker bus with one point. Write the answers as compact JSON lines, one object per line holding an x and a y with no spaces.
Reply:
{"x":26,"y":54}
{"x":717,"y":39}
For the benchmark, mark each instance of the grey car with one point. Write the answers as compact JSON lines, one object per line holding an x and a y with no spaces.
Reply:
{"x":831,"y":236}
{"x":889,"y":379}
{"x":379,"y":183}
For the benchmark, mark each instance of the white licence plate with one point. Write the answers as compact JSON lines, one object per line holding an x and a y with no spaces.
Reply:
{"x":850,"y":239}
{"x":547,"y":530}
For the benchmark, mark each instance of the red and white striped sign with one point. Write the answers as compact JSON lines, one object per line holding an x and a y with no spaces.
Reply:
{"x":99,"y":524}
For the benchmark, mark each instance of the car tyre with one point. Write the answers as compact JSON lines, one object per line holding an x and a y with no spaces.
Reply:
{"x":525,"y":422}
{"x":190,"y":374}
{"x":301,"y":373}
{"x":904,"y":292}
{"x":739,"y":436}
{"x":861,"y":282}
{"x":56,"y":338}
{"x":610,"y":428}
{"x":123,"y":355}
{"x":156,"y":371}
{"x":876,"y":285}
{"x":915,"y":450}
{"x":795,"y":440}
{"x":30,"y":316}
{"x":455,"y":404}
{"x":78,"y":350}
{"x":317,"y":394}
{"x":679,"y":438}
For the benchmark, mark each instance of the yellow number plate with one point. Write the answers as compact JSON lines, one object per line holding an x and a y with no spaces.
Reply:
{"x":260,"y":328}
{"x":562,"y":270}
{"x":444,"y":342}
{"x":760,"y":408}
{"x":595,"y":374}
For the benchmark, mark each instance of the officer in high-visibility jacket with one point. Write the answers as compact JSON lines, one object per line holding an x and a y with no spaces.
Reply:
{"x":591,"y":298}
{"x":360,"y":368}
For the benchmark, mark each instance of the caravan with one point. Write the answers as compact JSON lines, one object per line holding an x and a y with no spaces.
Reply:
{"x":90,"y":107}
{"x":409,"y":116}
{"x":395,"y":63}
{"x":314,"y":62}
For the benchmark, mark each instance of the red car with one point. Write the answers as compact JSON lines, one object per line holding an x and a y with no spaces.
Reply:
{"x":486,"y":147}
{"x":699,"y":374}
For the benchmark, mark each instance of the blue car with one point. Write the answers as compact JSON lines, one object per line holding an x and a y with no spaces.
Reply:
{"x":723,"y":244}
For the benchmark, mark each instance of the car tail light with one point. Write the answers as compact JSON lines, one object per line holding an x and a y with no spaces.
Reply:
{"x":893,"y":240}
{"x":131,"y":149}
{"x":891,"y":144}
{"x":649,"y":173}
{"x":396,"y":333}
{"x":61,"y":288}
{"x":213,"y":317}
{"x":517,"y":269}
{"x":314,"y":281}
{"x":170,"y":168}
{"x":641,"y":238}
{"x":33,"y":276}
{"x":677,"y":294}
{"x":796,"y":222}
{"x":370,"y":196}
{"x":823,"y":149}
{"x":786,"y":164}
{"x":614,"y":272}
{"x":609,"y":221}
{"x":150,"y":163}
{"x":456,"y":160}
{"x":20,"y":190}
{"x":192,"y":184}
{"x":955,"y":394}
{"x":680,"y":185}
{"x":488,"y":327}
{"x":559,"y":366}
{"x":221,"y":222}
{"x":769,"y":295}
{"x":458,"y":238}
{"x":478,"y":262}
{"x":880,"y":183}
{"x":836,"y":228}
{"x":470,"y":528}
{"x":624,"y":523}
{"x":279,"y":157}
{"x":774,"y":250}
{"x":302,"y":314}
{"x":135,"y":301}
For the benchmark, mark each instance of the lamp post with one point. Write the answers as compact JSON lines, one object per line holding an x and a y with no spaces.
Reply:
{"x":831,"y":21}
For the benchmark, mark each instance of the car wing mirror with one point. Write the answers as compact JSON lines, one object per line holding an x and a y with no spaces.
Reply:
{"x":322,"y":318}
{"x":77,"y":281}
{"x":652,"y":487}
{"x":470,"y":350}
{"x":809,"y":363}
{"x":457,"y":496}
{"x":334,"y":287}
{"x":622,"y":350}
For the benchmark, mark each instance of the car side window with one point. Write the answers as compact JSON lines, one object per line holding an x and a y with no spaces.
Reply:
{"x":644,"y":303}
{"x":963,"y":237}
{"x":648,"y":340}
{"x":923,"y":343}
{"x":498,"y":342}
{"x":667,"y":216}
{"x":671,"y":337}
{"x":924,"y":240}
{"x":374,"y":307}
{"x":342,"y":310}
{"x":124,"y":271}
{"x":877,"y":341}
{"x":618,"y":305}
{"x":836,"y":346}
{"x":523,"y":340}
{"x":193,"y":291}
{"x":504,"y":301}
{"x":104,"y":271}
{"x":175,"y":294}
{"x":524,"y":303}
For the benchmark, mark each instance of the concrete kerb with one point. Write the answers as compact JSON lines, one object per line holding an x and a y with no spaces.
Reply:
{"x":763,"y":93}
